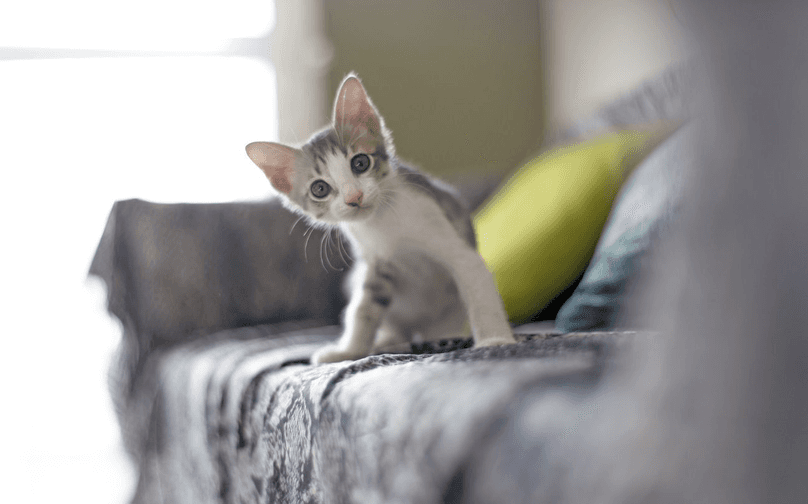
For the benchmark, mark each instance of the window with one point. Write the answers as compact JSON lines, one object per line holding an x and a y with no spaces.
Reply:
{"x":99,"y":101}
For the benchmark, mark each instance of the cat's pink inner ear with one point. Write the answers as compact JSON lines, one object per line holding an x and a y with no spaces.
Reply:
{"x":276,"y":161}
{"x":355,"y":118}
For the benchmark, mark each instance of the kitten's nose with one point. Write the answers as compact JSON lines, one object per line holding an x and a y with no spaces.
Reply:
{"x":354,"y":199}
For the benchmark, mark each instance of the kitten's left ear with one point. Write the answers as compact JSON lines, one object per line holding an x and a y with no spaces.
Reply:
{"x":356,"y":120}
{"x":276,"y":161}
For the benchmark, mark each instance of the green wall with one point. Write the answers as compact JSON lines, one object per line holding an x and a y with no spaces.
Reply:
{"x":458,"y":82}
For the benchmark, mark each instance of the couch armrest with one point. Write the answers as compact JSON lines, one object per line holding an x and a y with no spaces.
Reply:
{"x":176,"y":271}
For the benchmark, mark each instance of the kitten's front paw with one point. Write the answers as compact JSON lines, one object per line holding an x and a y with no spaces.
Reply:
{"x":333,"y":353}
{"x":502,"y":339}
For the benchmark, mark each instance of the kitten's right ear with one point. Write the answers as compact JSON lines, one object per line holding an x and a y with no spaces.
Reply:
{"x":276,"y":161}
{"x":354,"y":109}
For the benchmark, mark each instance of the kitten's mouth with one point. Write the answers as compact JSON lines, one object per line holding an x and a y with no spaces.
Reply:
{"x":360,"y":213}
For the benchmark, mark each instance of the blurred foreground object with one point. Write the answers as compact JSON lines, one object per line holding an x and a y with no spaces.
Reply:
{"x":715,"y":409}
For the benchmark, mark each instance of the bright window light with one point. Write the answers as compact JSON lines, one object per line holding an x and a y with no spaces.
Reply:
{"x":164,"y":129}
{"x":161,"y":25}
{"x":75,"y":136}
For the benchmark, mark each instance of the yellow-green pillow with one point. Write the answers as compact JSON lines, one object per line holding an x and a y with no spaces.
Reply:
{"x":539,"y":230}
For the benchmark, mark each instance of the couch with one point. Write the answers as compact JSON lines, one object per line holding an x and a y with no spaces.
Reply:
{"x":221,"y":312}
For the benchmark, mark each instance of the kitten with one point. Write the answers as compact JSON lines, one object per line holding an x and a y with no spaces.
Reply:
{"x":417,"y":270}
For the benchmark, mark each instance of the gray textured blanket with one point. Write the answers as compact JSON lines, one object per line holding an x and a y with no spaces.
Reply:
{"x":243,"y":417}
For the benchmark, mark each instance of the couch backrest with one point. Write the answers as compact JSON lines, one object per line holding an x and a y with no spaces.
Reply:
{"x":173,"y":270}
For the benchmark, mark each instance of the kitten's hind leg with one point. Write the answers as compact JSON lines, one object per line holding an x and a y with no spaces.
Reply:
{"x":370,"y":297}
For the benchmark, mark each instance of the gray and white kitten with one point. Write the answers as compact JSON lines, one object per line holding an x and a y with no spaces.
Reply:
{"x":417,"y":270}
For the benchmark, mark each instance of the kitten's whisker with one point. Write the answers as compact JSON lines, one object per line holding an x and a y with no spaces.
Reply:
{"x":390,"y":195}
{"x":388,"y":202}
{"x":404,"y":194}
{"x":306,"y":245}
{"x":345,"y":249}
{"x":387,"y":199}
{"x":295,"y":224}
{"x":339,"y":247}
{"x":321,"y":253}
{"x":343,"y":252}
{"x":329,"y":243}
{"x":324,"y":252}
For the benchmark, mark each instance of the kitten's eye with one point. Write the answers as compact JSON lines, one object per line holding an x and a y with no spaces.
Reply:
{"x":320,"y":189}
{"x":360,"y":163}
